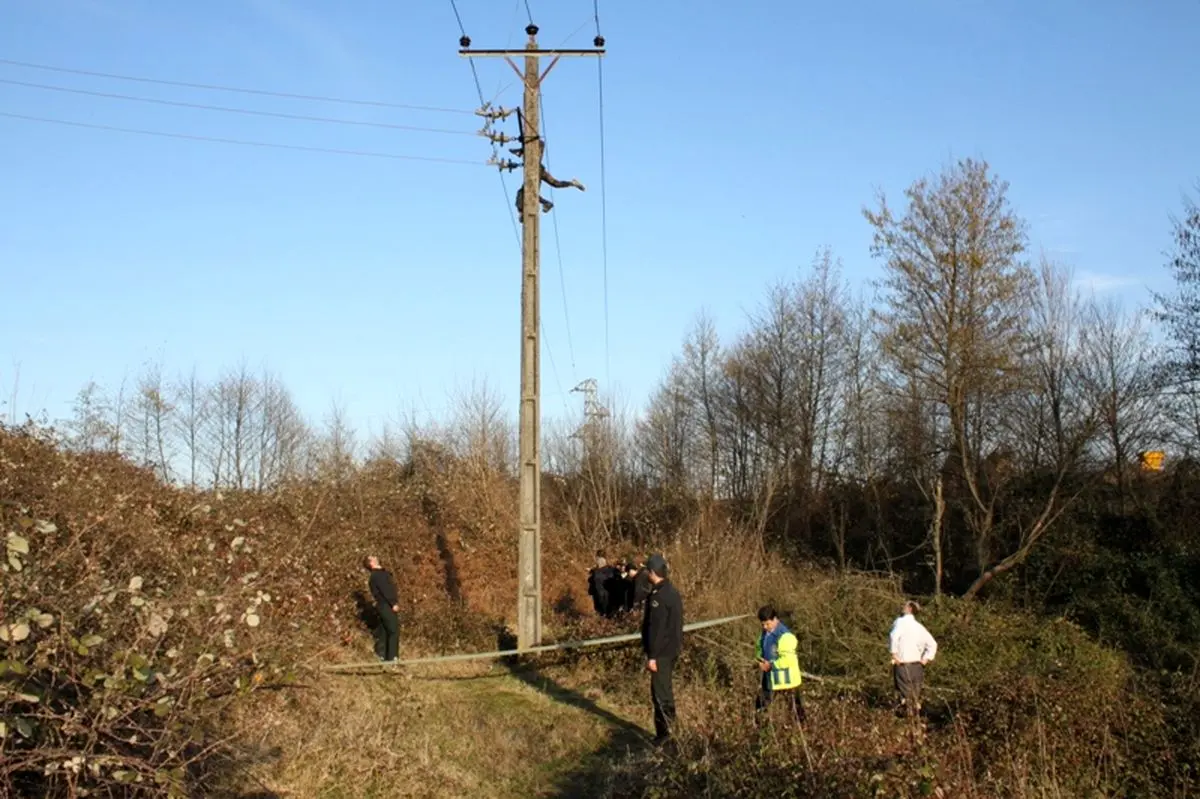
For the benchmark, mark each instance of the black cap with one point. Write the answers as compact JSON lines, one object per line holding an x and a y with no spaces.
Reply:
{"x":657,"y":564}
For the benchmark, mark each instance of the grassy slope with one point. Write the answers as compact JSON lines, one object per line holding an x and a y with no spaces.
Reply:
{"x":517,"y":733}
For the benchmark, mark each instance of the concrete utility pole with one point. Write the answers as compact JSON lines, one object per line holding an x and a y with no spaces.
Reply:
{"x":529,"y":560}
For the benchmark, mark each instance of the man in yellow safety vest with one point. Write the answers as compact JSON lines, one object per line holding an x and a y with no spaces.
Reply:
{"x":776,"y":655}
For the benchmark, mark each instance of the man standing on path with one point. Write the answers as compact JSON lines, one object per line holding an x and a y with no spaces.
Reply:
{"x":776,"y":652}
{"x":662,"y":641}
{"x":912,"y":648}
{"x":387,"y":602}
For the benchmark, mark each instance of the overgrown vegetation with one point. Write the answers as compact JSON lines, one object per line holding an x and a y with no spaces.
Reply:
{"x":178,"y":559}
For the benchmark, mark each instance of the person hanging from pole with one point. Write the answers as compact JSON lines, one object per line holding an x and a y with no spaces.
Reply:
{"x":546,"y":178}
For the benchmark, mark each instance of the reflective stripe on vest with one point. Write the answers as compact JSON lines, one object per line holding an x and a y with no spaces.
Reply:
{"x":785,"y":669}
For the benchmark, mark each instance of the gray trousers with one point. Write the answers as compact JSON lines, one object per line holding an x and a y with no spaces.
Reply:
{"x":909,"y":679}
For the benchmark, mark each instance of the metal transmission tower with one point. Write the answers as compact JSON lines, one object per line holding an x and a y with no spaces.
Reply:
{"x":529,"y":567}
{"x":593,"y":414}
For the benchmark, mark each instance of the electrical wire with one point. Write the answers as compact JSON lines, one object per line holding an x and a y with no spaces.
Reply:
{"x":495,"y":148}
{"x":245,"y":142}
{"x":562,"y":279}
{"x":231,"y":110}
{"x":240,"y":90}
{"x":603,"y":201}
{"x":512,"y":27}
{"x":504,"y":187}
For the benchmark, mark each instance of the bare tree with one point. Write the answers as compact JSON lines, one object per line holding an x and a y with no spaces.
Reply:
{"x":150,"y":439}
{"x":858,"y":455}
{"x":231,"y":438}
{"x":1119,"y":383}
{"x":954,"y":323}
{"x":663,"y":434}
{"x":699,"y":375}
{"x":90,"y":428}
{"x":1180,"y":311}
{"x":1052,"y":420}
{"x":192,"y":407}
{"x":118,"y":409}
{"x":334,"y":452}
{"x":1180,"y":314}
{"x":280,"y":433}
{"x":481,"y":433}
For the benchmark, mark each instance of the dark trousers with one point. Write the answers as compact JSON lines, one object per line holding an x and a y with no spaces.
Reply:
{"x":767,"y":694}
{"x":600,"y":601}
{"x":387,"y":635}
{"x":662,"y":696}
{"x":909,"y":678}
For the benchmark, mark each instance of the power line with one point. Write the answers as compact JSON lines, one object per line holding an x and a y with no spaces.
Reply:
{"x":603,"y":195}
{"x":231,"y":110}
{"x":504,"y":188}
{"x":495,"y":148}
{"x":512,"y":27}
{"x":240,"y":90}
{"x":562,"y":280}
{"x":245,"y":142}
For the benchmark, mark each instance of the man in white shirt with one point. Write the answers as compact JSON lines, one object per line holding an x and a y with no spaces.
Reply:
{"x":912,"y":647}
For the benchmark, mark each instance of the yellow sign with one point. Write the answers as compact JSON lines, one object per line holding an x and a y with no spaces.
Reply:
{"x":1153,"y":461}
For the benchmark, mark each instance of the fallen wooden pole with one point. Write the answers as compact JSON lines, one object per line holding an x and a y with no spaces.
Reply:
{"x":612,"y":639}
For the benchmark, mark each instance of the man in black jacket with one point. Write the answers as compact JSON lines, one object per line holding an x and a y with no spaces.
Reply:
{"x":387,"y":602}
{"x":662,"y":641}
{"x":641,"y":584}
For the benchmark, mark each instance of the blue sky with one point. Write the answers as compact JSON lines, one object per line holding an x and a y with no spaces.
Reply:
{"x":738,"y":142}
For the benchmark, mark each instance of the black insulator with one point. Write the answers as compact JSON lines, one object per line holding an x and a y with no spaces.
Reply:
{"x":598,"y":41}
{"x":531,"y":29}
{"x":464,"y":41}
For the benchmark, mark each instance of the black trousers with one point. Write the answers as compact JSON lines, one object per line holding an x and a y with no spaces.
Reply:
{"x":387,"y":636}
{"x":662,"y":696}
{"x":767,"y":694}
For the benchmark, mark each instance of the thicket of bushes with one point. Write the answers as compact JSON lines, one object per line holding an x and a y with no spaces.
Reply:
{"x":133,"y":614}
{"x":1016,"y":706}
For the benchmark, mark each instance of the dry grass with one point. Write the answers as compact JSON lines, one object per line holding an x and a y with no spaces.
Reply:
{"x":427,"y":735}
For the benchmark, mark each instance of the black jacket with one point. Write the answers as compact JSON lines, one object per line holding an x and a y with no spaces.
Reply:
{"x":662,"y":622}
{"x":641,"y":586}
{"x":383,"y":588}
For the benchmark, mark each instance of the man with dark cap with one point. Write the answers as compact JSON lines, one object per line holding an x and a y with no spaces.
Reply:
{"x":662,"y":641}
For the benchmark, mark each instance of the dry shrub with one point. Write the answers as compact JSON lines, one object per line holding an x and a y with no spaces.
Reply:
{"x":122,"y":641}
{"x":1016,"y":706}
{"x":143,"y":623}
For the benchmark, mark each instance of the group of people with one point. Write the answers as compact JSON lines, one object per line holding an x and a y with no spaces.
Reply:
{"x":618,"y":588}
{"x":647,"y":584}
{"x":910,"y":643}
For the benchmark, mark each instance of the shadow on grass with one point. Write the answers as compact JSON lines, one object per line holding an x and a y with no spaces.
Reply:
{"x":596,"y":775}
